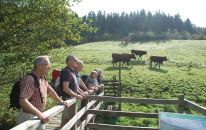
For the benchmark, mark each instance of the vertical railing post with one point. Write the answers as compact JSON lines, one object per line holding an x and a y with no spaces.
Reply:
{"x":181,"y":105}
{"x":74,"y":112}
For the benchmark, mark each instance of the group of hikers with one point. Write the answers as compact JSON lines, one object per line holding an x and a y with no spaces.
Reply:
{"x":32,"y":99}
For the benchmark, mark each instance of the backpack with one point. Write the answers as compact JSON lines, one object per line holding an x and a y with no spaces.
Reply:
{"x":55,"y":83}
{"x":84,"y":77}
{"x":15,"y":93}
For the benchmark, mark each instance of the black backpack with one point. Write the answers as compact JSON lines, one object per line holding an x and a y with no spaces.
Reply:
{"x":84,"y":77}
{"x":15,"y":92}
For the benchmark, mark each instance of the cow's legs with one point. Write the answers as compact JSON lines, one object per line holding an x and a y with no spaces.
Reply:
{"x":150,"y":63}
{"x":156,"y":64}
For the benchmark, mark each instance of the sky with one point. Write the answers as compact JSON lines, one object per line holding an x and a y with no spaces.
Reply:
{"x":195,"y":10}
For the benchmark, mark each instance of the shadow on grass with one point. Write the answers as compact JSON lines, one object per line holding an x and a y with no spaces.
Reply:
{"x":158,"y":70}
{"x":117,"y":68}
{"x":151,"y":41}
{"x":137,"y":62}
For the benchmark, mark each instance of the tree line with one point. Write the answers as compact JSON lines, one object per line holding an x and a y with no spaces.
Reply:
{"x":141,"y":26}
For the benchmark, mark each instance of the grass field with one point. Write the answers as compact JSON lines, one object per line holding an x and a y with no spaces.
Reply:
{"x":184,"y":73}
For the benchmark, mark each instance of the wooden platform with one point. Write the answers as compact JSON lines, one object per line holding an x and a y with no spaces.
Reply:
{"x":54,"y":123}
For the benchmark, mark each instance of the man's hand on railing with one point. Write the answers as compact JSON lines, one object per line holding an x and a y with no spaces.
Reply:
{"x":90,"y":91}
{"x":65,"y":104}
{"x":44,"y":119}
{"x":86,"y":94}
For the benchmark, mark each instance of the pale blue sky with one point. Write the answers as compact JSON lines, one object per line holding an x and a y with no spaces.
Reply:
{"x":195,"y":10}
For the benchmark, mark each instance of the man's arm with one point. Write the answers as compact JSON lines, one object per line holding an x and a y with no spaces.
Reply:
{"x":68,"y":91}
{"x":28,"y":107}
{"x":54,"y":95}
{"x":91,"y":86}
{"x":81,"y":83}
{"x":80,"y":92}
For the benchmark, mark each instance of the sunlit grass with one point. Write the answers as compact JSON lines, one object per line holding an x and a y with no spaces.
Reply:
{"x":183,"y":73}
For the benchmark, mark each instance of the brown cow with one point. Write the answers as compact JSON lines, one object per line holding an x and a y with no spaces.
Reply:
{"x":122,"y":58}
{"x":140,"y":53}
{"x":158,"y":59}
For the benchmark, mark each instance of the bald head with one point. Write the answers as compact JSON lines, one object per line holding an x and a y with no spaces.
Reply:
{"x":42,"y":65}
{"x":40,"y":60}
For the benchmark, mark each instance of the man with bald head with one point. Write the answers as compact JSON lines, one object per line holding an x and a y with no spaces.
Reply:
{"x":33,"y":98}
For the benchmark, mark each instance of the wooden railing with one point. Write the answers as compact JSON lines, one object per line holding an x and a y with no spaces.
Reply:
{"x":35,"y":122}
{"x":93,"y":108}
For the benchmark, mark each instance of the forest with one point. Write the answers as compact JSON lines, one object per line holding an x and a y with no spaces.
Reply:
{"x":141,"y":26}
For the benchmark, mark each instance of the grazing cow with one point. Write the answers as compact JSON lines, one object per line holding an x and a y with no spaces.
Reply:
{"x":139,"y":53}
{"x":158,"y":59}
{"x":122,"y":58}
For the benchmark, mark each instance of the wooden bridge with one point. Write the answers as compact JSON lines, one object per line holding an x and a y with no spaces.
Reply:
{"x":93,"y":106}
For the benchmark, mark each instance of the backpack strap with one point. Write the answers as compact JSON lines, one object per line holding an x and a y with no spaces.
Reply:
{"x":37,"y":84}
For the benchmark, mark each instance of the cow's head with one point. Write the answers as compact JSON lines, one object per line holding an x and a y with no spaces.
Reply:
{"x":132,"y":51}
{"x":165,"y":58}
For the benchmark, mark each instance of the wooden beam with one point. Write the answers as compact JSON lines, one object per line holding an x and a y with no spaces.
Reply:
{"x":195,"y":106}
{"x":35,"y":122}
{"x":123,"y":113}
{"x":89,"y":117}
{"x":69,"y":125}
{"x":118,"y":127}
{"x":105,"y":81}
{"x":134,"y":100}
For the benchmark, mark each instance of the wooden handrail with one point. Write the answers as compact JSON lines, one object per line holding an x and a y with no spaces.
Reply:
{"x":70,"y":124}
{"x":195,"y":106}
{"x":123,"y":113}
{"x":35,"y":122}
{"x":88,"y":118}
{"x":134,"y":100}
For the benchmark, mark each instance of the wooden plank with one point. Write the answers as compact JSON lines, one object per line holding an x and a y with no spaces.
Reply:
{"x":89,"y":117}
{"x":118,"y":127}
{"x":109,"y":94}
{"x":108,"y":84}
{"x":105,"y":81}
{"x":109,"y":88}
{"x":134,"y":100}
{"x":79,"y":114}
{"x":195,"y":106}
{"x":123,"y":113}
{"x":35,"y":122}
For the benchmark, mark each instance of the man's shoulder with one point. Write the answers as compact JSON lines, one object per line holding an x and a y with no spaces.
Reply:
{"x":65,"y":71}
{"x":28,"y":77}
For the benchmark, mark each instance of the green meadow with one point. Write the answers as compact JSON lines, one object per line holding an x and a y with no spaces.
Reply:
{"x":183,"y":74}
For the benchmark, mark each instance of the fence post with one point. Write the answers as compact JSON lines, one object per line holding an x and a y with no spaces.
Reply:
{"x":181,"y":105}
{"x":114,"y":78}
{"x":74,"y":112}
